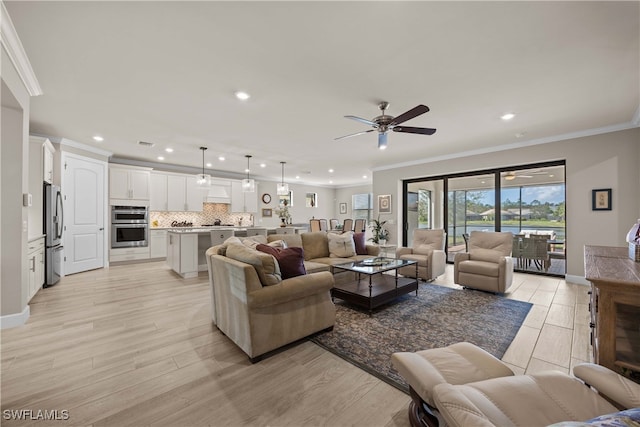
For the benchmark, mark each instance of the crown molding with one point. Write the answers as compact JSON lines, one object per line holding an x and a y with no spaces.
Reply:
{"x":13,"y":46}
{"x":69,"y":143}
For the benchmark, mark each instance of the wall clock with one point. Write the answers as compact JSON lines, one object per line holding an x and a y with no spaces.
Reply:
{"x":266,"y":198}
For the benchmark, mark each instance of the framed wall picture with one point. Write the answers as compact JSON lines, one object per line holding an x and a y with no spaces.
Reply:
{"x":601,"y":199}
{"x":267,"y":212}
{"x":285,"y":200}
{"x":311,"y":200}
{"x":343,"y":208}
{"x":384,"y":203}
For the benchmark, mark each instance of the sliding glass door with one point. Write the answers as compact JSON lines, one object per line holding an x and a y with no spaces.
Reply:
{"x":527,"y":201}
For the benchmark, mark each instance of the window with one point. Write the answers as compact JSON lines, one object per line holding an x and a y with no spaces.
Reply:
{"x":362,"y":206}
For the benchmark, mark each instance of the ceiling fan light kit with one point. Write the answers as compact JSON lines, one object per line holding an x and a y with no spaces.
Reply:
{"x":248,"y":184}
{"x":282,"y":189}
{"x":203,"y":180}
{"x":384,"y":123}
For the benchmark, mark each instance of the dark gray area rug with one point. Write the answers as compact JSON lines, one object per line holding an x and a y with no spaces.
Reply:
{"x":437,"y":317}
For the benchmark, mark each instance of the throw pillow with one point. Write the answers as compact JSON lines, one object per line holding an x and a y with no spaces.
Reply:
{"x":290,"y":260}
{"x":222,"y":249}
{"x":341,"y":245}
{"x":360,"y":242}
{"x":265,"y":266}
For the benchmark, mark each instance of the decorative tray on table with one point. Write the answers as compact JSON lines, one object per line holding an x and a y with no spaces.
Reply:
{"x":374,"y":262}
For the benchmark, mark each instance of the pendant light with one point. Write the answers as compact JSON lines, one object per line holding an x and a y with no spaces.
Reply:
{"x":282,"y":189}
{"x":248,"y":185}
{"x":203,"y":180}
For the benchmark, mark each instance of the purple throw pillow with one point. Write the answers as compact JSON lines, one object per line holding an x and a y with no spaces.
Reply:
{"x":290,"y":260}
{"x":361,"y":246}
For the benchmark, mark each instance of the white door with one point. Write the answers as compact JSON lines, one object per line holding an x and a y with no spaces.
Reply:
{"x":83,"y":191}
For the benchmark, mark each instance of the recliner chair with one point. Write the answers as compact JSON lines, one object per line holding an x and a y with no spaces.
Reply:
{"x":464,"y":385}
{"x":427,"y":249}
{"x":487,"y":265}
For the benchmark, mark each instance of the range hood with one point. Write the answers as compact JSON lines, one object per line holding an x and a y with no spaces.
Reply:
{"x":219,"y":193}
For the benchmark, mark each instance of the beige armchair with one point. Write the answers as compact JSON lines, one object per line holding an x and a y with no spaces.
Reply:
{"x":428,"y":251}
{"x":487,"y":265}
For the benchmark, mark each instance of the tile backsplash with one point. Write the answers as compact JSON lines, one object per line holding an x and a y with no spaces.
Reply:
{"x":210,"y":212}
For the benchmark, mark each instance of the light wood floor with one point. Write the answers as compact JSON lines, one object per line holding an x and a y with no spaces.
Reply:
{"x":134,"y":345}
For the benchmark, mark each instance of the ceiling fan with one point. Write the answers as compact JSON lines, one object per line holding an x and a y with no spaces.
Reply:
{"x":384,"y":123}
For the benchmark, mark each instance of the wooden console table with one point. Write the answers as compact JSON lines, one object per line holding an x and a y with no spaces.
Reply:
{"x":615,"y":308}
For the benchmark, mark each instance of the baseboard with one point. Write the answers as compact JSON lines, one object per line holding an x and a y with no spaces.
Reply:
{"x":15,"y":320}
{"x":578,"y":280}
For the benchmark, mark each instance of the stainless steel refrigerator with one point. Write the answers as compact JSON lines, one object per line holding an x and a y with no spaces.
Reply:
{"x":53,"y":227}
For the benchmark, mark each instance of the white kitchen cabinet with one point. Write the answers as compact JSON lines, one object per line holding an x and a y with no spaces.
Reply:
{"x":128,"y":254}
{"x":47,"y":153}
{"x":183,"y":195}
{"x":35,"y":263}
{"x":158,"y":200}
{"x":182,"y":253}
{"x":158,"y":243}
{"x":241,"y":201}
{"x":129,"y":184}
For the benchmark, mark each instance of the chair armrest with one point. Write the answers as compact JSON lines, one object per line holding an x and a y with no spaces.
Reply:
{"x":291,"y":289}
{"x":461,"y":256}
{"x":403,"y":251}
{"x":623,"y":392}
{"x":373,"y":250}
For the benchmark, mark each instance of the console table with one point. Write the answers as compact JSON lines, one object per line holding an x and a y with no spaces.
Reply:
{"x":615,"y":308}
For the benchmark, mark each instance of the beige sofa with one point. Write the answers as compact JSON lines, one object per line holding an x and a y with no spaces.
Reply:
{"x":427,"y":250}
{"x":317,"y":256}
{"x":258,"y":310}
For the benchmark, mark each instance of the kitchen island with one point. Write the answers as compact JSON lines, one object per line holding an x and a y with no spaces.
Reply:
{"x":186,"y":247}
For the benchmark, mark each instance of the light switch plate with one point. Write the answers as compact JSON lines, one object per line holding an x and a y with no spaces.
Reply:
{"x":27,"y":200}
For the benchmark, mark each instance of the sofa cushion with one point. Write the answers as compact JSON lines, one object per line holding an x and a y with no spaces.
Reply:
{"x":314,"y":267}
{"x":341,"y":245}
{"x":222,"y":248}
{"x":361,"y":244}
{"x":486,"y":255}
{"x":253,"y":243}
{"x":315,"y":244}
{"x":291,"y":240}
{"x":265,"y":265}
{"x":482,"y":268}
{"x":290,"y":260}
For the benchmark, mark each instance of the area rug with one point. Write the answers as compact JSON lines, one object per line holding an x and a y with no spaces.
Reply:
{"x":437,"y":317}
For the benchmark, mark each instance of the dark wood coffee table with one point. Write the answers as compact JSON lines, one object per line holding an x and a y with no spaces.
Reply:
{"x":372,"y":288}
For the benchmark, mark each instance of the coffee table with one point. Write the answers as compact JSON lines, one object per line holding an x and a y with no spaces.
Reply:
{"x":372,"y":288}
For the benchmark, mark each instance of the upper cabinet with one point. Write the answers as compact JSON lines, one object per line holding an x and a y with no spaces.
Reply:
{"x":241,"y":201}
{"x":129,"y":184}
{"x":47,"y":160}
{"x":159,"y":196}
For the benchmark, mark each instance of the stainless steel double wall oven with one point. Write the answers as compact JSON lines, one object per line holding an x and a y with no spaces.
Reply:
{"x":129,"y":226}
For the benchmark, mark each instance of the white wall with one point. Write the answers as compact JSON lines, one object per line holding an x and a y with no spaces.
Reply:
{"x":608,"y":160}
{"x":13,"y":183}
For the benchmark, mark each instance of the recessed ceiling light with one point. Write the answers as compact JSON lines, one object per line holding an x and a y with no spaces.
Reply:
{"x":330,"y":170}
{"x":208,"y":165}
{"x":297,"y":176}
{"x":263,"y":165}
{"x":507,"y":116}
{"x":364,"y":176}
{"x":330,"y":182}
{"x":160,"y":158}
{"x":98,"y":138}
{"x":169,"y":150}
{"x":221,"y":158}
{"x":243,"y":96}
{"x":520,"y":134}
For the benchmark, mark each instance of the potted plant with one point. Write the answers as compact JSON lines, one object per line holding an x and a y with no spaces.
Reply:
{"x":380,"y":234}
{"x":283,"y":213}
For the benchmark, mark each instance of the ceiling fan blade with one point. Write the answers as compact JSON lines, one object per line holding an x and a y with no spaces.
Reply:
{"x":408,"y":129}
{"x":353,"y":134}
{"x":414,"y":112}
{"x":360,"y":119}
